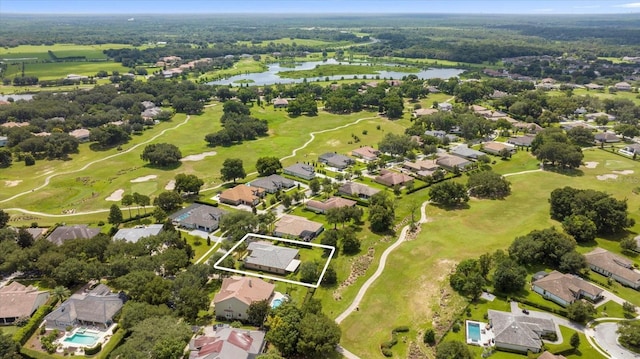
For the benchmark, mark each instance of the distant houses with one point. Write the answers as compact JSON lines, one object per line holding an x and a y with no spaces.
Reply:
{"x":273,"y":183}
{"x":228,"y":343}
{"x":336,"y":160}
{"x":359,"y":190}
{"x":242,"y":195}
{"x":297,"y":227}
{"x":367,"y":153}
{"x":391,"y":178}
{"x":333,"y":202}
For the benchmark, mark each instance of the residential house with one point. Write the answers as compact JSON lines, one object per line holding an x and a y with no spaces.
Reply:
{"x":297,"y":227}
{"x":36,"y":233}
{"x":592,"y":86}
{"x":336,"y":160}
{"x":630,"y":150}
{"x":242,"y":194}
{"x":3,"y":141}
{"x":445,"y":106}
{"x":237,"y":294}
{"x":367,"y":153}
{"x":565,"y":289}
{"x":606,"y":137}
{"x":79,"y":231}
{"x":464,"y":151}
{"x":356,"y":189}
{"x":451,"y":162}
{"x":151,"y":113}
{"x":301,"y":170}
{"x":422,"y":168}
{"x":610,"y":265}
{"x":96,"y":307}
{"x":228,"y":343}
{"x":333,"y":202}
{"x":19,"y":301}
{"x":391,"y":178}
{"x":436,"y":133}
{"x":498,"y":94}
{"x":266,"y":257}
{"x":12,"y":124}
{"x":273,"y":183}
{"x":528,"y":127}
{"x":198,"y":216}
{"x":133,"y":235}
{"x":81,"y":134}
{"x":424,"y":112}
{"x":594,"y":115}
{"x":519,"y":333}
{"x":280,"y":103}
{"x":496,"y":148}
{"x":521,"y":141}
{"x":622,"y":86}
{"x":549,"y":355}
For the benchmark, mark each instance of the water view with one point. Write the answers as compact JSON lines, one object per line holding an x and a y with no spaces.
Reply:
{"x":270,"y":76}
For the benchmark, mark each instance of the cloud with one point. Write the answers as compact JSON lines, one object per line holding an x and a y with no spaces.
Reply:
{"x":632,"y":5}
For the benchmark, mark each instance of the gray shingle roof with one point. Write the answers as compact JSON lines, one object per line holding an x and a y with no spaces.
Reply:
{"x":272,"y":183}
{"x":133,"y":235}
{"x":268,"y":255}
{"x":520,"y":330}
{"x":63,"y":233}
{"x":98,"y":306}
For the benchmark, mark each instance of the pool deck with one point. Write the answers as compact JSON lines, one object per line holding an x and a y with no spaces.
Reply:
{"x":486,"y":334}
{"x":103,"y":336}
{"x":278,"y":296}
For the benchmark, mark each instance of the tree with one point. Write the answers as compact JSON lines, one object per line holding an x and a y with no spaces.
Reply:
{"x":629,"y":309}
{"x":488,"y":184}
{"x":449,"y":194}
{"x":9,"y":349}
{"x":134,"y":313}
{"x":257,"y":312}
{"x":147,"y":341}
{"x":25,"y":239}
{"x":232,"y":169}
{"x":5,"y":158}
{"x":115,"y":215}
{"x":127,"y":200}
{"x":381,"y":212}
{"x":235,"y":225}
{"x":330,"y":276}
{"x":4,"y":218}
{"x":60,"y":293}
{"x":314,"y":185}
{"x":509,"y":277}
{"x":547,"y":246}
{"x":159,"y":214}
{"x":629,"y":334}
{"x":396,"y":145}
{"x":318,"y":336}
{"x":161,"y":154}
{"x":188,"y":183}
{"x":627,"y":130}
{"x":468,"y":279}
{"x":581,"y":136}
{"x":628,"y":244}
{"x":267,"y":166}
{"x":309,"y":272}
{"x":429,"y":337}
{"x":580,"y":227}
{"x":283,"y":326}
{"x":168,"y":201}
{"x":575,"y":341}
{"x":350,"y":242}
{"x":580,"y":311}
{"x":453,"y":350}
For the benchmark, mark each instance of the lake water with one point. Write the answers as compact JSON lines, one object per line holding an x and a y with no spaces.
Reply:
{"x":270,"y":76}
{"x":17,"y":97}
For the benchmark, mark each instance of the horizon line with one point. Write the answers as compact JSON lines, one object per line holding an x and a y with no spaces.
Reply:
{"x":543,"y":13}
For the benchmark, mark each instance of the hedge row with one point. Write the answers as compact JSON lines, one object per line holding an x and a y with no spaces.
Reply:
{"x":93,"y":350}
{"x":117,"y":338}
{"x":359,"y":201}
{"x":137,"y":217}
{"x":207,"y":201}
{"x":34,"y":354}
{"x":24,"y":333}
{"x":561,"y":312}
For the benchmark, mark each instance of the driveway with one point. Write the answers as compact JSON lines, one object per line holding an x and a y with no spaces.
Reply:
{"x":607,"y":338}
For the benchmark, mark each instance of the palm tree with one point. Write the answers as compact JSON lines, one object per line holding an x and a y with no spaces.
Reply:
{"x":60,"y":293}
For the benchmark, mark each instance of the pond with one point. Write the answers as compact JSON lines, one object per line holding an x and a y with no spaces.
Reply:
{"x":270,"y":76}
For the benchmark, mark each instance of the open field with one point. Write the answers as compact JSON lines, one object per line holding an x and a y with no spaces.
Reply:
{"x":60,"y":50}
{"x":243,"y":66}
{"x":301,"y":42}
{"x":58,"y":70}
{"x":602,"y":94}
{"x":412,"y":292}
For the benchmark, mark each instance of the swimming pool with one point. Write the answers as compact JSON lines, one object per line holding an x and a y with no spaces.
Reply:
{"x":87,"y":340}
{"x":276,"y":303}
{"x":473,"y":331}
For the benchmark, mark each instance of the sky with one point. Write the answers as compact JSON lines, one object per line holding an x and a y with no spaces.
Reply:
{"x":131,"y":7}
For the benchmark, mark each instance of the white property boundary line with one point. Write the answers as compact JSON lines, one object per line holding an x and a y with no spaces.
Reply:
{"x":246,"y":236}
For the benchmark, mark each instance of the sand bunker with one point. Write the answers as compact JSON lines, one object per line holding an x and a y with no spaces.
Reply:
{"x":144,"y":179}
{"x":625,"y":172}
{"x":12,"y":183}
{"x":198,"y":157}
{"x":591,"y":164}
{"x":170,"y":186}
{"x":116,"y":196}
{"x":607,"y":177}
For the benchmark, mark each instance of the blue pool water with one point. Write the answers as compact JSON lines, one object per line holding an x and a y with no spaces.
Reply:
{"x":82,"y":339}
{"x":276,"y":303}
{"x":473,"y":331}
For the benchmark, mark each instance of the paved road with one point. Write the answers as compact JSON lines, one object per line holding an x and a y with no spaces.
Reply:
{"x":607,"y":338}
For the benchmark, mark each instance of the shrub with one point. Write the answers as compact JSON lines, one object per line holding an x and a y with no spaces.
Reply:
{"x":387,"y":352}
{"x":429,"y":337}
{"x":456,"y":327}
{"x":400,"y":329}
{"x":93,"y":350}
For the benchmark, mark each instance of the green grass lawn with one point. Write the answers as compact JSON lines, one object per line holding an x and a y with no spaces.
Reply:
{"x":60,"y":50}
{"x":8,"y":329}
{"x":335,"y":70}
{"x":243,"y":66}
{"x":58,"y":70}
{"x":416,"y":275}
{"x":302,"y":42}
